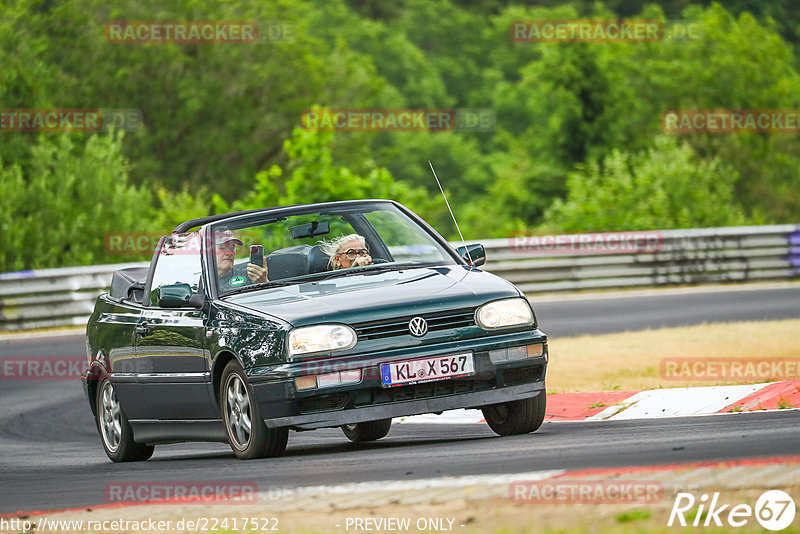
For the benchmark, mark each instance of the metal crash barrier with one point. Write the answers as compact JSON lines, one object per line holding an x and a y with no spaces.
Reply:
{"x":536,"y":264}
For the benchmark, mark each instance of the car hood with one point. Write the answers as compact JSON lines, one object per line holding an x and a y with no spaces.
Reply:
{"x":374,"y":296}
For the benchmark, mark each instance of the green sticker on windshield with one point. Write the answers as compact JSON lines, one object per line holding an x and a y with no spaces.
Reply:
{"x":237,"y":281}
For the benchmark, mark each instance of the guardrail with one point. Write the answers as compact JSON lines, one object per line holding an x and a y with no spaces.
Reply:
{"x":681,"y":257}
{"x":64,"y":297}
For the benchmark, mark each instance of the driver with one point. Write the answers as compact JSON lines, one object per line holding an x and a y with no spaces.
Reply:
{"x":347,"y":251}
{"x":231,"y":276}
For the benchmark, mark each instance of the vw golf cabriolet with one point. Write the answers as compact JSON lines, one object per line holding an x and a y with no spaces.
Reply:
{"x":342,"y":314}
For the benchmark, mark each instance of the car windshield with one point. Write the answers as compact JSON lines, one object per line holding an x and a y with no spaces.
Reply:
{"x":305,"y":245}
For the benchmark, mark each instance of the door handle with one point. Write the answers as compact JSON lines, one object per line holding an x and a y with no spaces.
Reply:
{"x":142,"y":329}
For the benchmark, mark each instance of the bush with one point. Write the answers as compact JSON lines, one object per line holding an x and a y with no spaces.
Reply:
{"x":58,"y":211}
{"x":666,"y":186}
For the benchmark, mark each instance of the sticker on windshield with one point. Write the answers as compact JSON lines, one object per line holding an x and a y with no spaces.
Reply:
{"x":237,"y":281}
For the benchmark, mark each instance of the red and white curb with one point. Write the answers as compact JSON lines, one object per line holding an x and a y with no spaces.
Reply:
{"x":672,"y":402}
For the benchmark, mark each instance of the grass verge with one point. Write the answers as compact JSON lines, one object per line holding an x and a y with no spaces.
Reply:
{"x":629,"y":361}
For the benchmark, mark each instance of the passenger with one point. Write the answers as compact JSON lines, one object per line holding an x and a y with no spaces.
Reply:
{"x":231,"y":276}
{"x":347,"y":251}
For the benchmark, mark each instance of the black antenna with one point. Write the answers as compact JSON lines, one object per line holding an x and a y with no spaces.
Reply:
{"x":451,"y":213}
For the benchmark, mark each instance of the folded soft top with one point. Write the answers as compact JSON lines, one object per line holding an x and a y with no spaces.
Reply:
{"x":128,"y":284}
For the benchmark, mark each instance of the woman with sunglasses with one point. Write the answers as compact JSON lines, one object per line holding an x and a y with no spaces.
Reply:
{"x":347,"y":251}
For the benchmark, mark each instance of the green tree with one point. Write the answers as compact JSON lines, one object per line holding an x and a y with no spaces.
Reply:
{"x":216,"y":115}
{"x":667,"y":186}
{"x":311,"y":176}
{"x":59,"y":210}
{"x":213,"y":114}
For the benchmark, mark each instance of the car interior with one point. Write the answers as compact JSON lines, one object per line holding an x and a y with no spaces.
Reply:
{"x":298,"y":260}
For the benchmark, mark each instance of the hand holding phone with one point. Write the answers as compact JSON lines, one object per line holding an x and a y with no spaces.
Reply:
{"x":257,"y":255}
{"x":257,"y":270}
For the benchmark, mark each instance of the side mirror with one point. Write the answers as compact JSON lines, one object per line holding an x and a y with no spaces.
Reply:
{"x":178,"y":296}
{"x":474,"y":255}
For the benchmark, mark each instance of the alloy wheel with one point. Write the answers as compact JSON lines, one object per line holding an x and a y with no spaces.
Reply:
{"x":110,"y":423}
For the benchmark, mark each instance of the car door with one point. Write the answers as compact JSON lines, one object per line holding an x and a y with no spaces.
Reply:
{"x":115,"y":333}
{"x":171,"y":350}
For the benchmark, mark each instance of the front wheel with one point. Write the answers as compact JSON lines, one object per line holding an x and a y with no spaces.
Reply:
{"x":516,"y":417}
{"x":248,"y":436}
{"x":114,"y":428}
{"x":369,"y":431}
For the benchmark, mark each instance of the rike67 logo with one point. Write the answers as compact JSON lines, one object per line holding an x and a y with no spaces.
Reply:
{"x":774,"y":510}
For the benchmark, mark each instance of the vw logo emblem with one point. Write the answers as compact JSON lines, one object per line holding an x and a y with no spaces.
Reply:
{"x":418,"y":326}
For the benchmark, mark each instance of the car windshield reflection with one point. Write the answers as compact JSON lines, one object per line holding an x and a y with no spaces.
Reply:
{"x":257,"y":253}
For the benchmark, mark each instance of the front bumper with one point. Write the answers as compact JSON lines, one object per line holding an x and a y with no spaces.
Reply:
{"x":281,"y":404}
{"x":415,"y":407}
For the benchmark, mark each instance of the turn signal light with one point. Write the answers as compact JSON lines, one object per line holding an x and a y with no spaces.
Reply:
{"x":515,"y":354}
{"x":535,"y":351}
{"x":328,"y":380}
{"x":305,"y":382}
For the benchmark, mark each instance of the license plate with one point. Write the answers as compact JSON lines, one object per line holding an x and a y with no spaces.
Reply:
{"x":427,"y":369}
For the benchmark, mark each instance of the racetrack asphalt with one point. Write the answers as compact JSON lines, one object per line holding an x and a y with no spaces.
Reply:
{"x":51,"y":457}
{"x":619,"y":312}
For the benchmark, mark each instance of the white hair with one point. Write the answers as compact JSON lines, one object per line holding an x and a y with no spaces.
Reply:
{"x":331,"y":248}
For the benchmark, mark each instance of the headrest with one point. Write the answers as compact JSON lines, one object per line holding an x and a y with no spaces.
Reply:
{"x":317,"y":260}
{"x":288,"y":262}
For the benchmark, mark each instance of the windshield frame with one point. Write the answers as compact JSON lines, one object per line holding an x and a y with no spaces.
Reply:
{"x":275,"y":214}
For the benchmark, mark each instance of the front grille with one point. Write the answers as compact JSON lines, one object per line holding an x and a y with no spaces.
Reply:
{"x":523,"y":374}
{"x":374,"y":396}
{"x":427,"y":390}
{"x":322,"y":403}
{"x":399,"y":326}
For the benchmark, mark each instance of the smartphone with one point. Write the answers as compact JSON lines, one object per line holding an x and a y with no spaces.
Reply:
{"x":257,"y":255}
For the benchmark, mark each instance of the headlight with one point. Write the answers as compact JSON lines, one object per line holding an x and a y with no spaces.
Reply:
{"x":504,"y":313}
{"x":320,"y":338}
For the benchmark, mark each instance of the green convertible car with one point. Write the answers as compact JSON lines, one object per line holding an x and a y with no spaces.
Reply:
{"x":341,"y":314}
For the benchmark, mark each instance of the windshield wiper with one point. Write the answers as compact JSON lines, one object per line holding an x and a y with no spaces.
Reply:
{"x":374,"y":269}
{"x":260,"y":285}
{"x":284,"y":282}
{"x":318,"y":277}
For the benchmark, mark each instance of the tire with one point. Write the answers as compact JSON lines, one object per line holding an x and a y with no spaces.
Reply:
{"x":516,"y":417}
{"x":369,"y":431}
{"x":116,"y":433}
{"x":248,"y":436}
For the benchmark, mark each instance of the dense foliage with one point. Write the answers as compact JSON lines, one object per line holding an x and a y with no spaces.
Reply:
{"x":577,"y":143}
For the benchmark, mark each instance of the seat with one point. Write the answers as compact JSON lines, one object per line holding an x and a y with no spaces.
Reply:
{"x":288,"y":262}
{"x":317,"y":260}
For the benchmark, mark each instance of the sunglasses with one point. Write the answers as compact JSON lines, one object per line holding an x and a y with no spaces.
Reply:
{"x":353,"y":253}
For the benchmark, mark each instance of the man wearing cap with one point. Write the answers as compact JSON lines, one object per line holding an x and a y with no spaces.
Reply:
{"x":231,"y":276}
